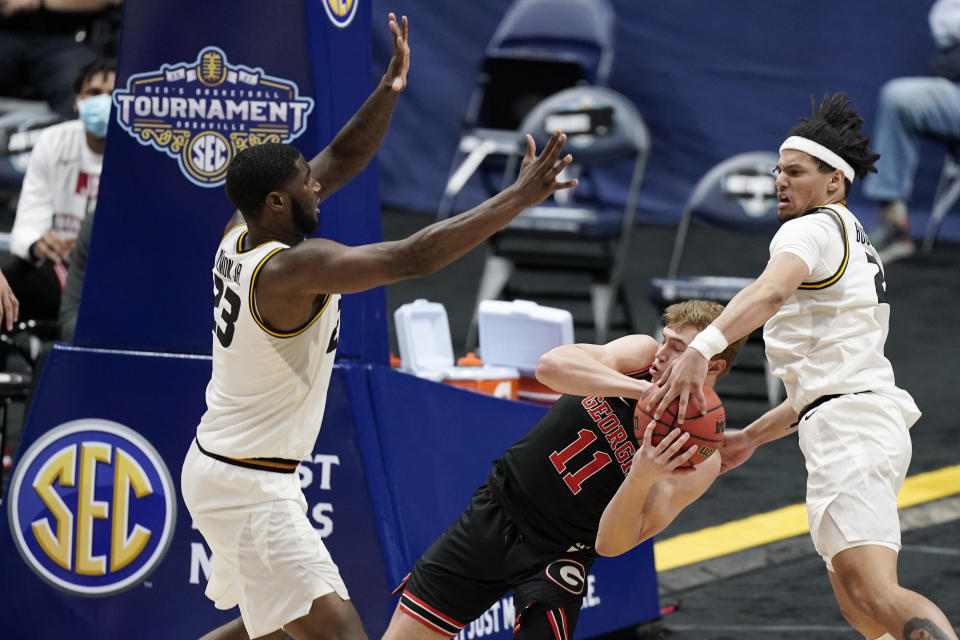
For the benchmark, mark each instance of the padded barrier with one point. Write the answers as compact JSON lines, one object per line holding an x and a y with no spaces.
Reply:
{"x":397,"y":460}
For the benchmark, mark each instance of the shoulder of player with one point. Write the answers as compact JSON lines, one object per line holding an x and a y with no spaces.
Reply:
{"x":233,"y":229}
{"x":633,"y":352}
{"x":819,"y":220}
{"x":282,"y":270}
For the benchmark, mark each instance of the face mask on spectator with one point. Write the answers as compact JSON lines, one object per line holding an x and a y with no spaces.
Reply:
{"x":95,"y":113}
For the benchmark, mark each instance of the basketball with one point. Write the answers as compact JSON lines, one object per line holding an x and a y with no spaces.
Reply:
{"x":705,"y":427}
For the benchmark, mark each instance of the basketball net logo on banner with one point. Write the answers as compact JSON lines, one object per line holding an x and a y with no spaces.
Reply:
{"x":203,"y":113}
{"x":92,"y":507}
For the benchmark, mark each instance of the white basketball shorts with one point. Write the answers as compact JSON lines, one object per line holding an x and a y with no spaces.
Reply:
{"x":857,"y":450}
{"x":267,"y":557}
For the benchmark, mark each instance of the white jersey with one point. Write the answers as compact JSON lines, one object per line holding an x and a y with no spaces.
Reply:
{"x":828,"y":337}
{"x":268,"y":389}
{"x":59,"y":187}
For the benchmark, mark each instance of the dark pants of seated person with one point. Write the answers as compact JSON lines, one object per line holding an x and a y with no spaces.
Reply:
{"x":45,"y":63}
{"x":36,"y":286}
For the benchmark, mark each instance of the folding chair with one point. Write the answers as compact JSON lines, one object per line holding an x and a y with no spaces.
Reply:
{"x":946,"y":195}
{"x":581,"y":232}
{"x":20,"y":352}
{"x":539,"y":48}
{"x":739,"y":196}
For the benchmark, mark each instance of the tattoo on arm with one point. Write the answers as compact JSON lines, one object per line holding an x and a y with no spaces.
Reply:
{"x":794,"y":425}
{"x":923,"y":629}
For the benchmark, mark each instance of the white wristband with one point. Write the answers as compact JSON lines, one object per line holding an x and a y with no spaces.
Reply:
{"x":709,"y":342}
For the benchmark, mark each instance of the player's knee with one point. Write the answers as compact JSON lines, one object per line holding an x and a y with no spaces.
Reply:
{"x":871,"y":598}
{"x":346,"y":627}
{"x":328,"y":623}
{"x":903,"y":96}
{"x":852,"y":614}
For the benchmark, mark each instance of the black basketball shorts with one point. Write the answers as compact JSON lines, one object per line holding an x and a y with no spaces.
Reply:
{"x":479,"y":558}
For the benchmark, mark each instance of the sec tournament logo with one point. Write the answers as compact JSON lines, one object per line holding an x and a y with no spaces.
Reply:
{"x":203,"y":113}
{"x":92,"y":507}
{"x":340,"y":12}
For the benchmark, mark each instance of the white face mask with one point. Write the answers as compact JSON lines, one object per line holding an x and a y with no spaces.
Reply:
{"x":95,"y":113}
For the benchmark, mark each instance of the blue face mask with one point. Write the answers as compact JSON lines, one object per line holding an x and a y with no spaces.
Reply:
{"x":95,"y":113}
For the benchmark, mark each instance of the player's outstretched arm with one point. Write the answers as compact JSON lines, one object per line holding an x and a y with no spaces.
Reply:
{"x":357,"y":142}
{"x":598,"y":370}
{"x":739,"y":444}
{"x":655,"y":490}
{"x":750,"y":308}
{"x":318,"y":266}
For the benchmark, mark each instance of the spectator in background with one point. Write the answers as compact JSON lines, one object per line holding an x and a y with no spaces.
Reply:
{"x":911,"y":108}
{"x":70,"y":299}
{"x":59,"y":189}
{"x":9,"y":305}
{"x":45,"y":43}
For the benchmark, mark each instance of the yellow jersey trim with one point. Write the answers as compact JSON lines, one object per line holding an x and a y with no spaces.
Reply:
{"x":230,"y":230}
{"x":239,"y":247}
{"x":826,"y":282}
{"x":243,"y":234}
{"x":256,"y":316}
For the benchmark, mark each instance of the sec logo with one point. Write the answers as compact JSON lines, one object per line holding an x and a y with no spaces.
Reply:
{"x":340,"y":12}
{"x":209,"y":154}
{"x":92,"y":507}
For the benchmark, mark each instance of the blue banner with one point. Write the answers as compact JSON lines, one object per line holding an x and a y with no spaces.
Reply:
{"x":198,"y":82}
{"x":97,"y":541}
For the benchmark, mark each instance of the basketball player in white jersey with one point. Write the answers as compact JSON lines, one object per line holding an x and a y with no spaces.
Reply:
{"x":822,"y":302}
{"x":276,"y":321}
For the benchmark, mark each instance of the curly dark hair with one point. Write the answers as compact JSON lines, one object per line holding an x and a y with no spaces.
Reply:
{"x":92,"y":69}
{"x":256,"y":171}
{"x":836,"y":125}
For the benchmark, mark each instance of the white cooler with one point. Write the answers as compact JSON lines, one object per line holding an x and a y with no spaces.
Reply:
{"x":426,"y":351}
{"x":516,"y":333}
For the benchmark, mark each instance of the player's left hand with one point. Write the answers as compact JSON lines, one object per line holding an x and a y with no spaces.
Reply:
{"x":684,"y":376}
{"x":664,"y":459}
{"x":400,"y":62}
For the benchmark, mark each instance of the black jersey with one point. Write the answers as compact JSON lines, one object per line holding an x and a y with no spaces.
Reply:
{"x":556,"y":481}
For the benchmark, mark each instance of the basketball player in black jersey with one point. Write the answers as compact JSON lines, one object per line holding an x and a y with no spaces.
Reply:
{"x":581,"y":483}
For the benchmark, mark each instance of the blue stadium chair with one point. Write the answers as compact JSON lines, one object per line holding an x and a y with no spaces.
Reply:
{"x":575,"y":30}
{"x":539,"y":48}
{"x":584,"y":232}
{"x":737,"y":199}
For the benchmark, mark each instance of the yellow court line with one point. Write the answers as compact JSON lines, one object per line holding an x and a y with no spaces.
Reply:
{"x":785,"y":522}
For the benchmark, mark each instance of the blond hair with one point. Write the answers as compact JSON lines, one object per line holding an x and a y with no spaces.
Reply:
{"x":699,"y":314}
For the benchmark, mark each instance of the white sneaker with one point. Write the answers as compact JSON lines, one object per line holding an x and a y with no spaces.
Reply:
{"x":897,"y":250}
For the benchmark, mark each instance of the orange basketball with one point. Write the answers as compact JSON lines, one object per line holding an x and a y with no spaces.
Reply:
{"x":705,"y":427}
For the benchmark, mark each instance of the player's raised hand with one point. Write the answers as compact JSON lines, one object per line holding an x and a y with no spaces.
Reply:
{"x":664,"y":459}
{"x":684,"y":376}
{"x":538,"y":173}
{"x":400,"y":62}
